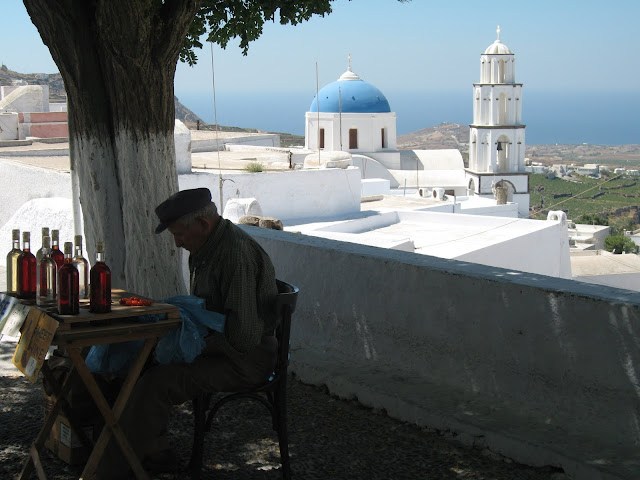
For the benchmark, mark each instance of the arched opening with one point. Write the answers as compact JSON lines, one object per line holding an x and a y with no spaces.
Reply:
{"x":509,"y":187}
{"x":472,"y":187}
{"x":503,"y":151}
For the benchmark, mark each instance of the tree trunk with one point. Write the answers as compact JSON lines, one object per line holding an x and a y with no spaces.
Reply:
{"x":118,"y":60}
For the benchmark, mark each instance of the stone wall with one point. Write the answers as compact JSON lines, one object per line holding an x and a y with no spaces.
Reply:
{"x":541,"y":370}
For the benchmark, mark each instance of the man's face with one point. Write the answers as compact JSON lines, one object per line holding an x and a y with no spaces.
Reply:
{"x":191,"y":237}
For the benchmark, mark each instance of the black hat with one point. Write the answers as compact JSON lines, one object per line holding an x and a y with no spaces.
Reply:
{"x":181,"y":203}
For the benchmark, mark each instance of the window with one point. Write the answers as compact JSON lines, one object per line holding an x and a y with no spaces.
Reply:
{"x":353,"y":138}
{"x":322,"y":138}
{"x":384,"y":140}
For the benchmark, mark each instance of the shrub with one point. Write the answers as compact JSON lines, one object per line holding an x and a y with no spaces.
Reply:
{"x":254,"y":167}
{"x":619,"y":243}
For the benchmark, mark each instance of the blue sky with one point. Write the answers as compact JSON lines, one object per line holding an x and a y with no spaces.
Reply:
{"x":423,"y":45}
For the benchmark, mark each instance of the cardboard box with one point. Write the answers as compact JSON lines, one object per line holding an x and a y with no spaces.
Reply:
{"x":66,"y":444}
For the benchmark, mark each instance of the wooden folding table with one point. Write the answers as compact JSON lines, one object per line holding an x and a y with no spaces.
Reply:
{"x":75,"y":334}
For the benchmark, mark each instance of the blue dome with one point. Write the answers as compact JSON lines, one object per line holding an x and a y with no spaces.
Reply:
{"x":355,"y":95}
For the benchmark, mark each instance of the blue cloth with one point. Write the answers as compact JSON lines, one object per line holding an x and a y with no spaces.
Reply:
{"x":179,"y":345}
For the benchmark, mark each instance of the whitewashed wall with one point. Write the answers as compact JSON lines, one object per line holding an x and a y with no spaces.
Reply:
{"x":22,"y":183}
{"x":288,"y":195}
{"x":542,"y":370}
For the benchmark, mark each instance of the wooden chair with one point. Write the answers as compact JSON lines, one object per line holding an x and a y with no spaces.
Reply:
{"x":272,"y":394}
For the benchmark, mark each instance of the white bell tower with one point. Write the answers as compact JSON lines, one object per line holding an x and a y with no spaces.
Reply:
{"x":496,"y":143}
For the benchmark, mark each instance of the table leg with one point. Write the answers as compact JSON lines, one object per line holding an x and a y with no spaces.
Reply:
{"x":112,"y":427}
{"x":36,"y":446}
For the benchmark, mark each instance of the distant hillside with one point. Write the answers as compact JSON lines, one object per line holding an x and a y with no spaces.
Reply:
{"x":57,"y":92}
{"x":54,"y":80}
{"x":452,"y":135}
{"x":445,"y":135}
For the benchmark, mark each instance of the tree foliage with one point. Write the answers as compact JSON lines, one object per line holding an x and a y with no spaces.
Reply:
{"x":620,"y":243}
{"x":228,"y":19}
{"x":592,"y":219}
{"x":245,"y":19}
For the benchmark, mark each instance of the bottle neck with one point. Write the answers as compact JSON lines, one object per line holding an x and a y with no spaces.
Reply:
{"x":16,"y":244}
{"x":78,"y":251}
{"x":68,"y":258}
{"x":46,"y":251}
{"x":100,"y":257}
{"x":26,"y":246}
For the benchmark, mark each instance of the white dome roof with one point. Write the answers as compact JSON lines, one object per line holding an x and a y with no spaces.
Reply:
{"x":497,"y":48}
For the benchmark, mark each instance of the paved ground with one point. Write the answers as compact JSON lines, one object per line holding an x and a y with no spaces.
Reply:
{"x":329,"y":439}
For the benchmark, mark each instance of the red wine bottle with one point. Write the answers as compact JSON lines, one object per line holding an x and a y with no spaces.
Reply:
{"x":27,"y":270}
{"x":56,"y":254}
{"x":68,"y":284}
{"x":100,"y":283}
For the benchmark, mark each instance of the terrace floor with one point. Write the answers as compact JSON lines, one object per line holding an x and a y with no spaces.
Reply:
{"x":330,"y":438}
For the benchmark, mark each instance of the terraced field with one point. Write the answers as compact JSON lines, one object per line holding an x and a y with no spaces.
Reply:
{"x":616,"y":197}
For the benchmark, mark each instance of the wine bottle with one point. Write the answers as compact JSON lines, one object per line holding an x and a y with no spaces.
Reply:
{"x":26,"y":269}
{"x":68,"y":284}
{"x":45,"y":233}
{"x":12,"y":263}
{"x":83,"y":267}
{"x":100,"y":283}
{"x":56,"y":254}
{"x":47,"y":275}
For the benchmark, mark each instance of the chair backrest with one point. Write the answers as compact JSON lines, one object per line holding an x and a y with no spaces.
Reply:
{"x":285,"y":305}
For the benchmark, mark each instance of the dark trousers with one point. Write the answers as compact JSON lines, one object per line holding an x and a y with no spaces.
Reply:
{"x":144,"y":420}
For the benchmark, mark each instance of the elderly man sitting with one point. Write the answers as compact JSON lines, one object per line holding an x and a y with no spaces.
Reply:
{"x":236,"y":278}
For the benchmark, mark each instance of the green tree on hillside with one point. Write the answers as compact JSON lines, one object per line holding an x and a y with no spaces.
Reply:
{"x":118,"y":61}
{"x":592,"y":219}
{"x":620,"y":243}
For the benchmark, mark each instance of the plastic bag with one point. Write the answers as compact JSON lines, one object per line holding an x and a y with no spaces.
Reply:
{"x":179,"y":345}
{"x":186,"y":343}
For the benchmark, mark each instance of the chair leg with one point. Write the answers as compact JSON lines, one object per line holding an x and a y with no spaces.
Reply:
{"x":199,"y":411}
{"x":283,"y":439}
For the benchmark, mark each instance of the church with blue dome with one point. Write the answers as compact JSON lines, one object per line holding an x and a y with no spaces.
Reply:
{"x":352,"y":115}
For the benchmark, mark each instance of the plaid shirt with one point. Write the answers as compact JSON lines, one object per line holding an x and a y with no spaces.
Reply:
{"x":236,"y":278}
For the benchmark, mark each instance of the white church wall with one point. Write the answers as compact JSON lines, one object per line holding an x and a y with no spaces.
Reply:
{"x":368,"y":125}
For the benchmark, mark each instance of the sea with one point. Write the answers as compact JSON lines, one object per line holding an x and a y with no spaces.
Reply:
{"x":550,"y":116}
